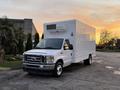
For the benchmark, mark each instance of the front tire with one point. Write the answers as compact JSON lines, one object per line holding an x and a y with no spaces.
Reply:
{"x":88,"y":61}
{"x":58,"y":69}
{"x":30,"y":73}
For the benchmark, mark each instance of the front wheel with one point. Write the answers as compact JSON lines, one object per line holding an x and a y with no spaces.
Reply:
{"x":58,"y":69}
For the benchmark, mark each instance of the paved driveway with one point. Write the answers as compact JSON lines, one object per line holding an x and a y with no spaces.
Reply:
{"x":103,"y":74}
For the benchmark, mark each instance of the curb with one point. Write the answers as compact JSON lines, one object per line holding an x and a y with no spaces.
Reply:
{"x":7,"y":75}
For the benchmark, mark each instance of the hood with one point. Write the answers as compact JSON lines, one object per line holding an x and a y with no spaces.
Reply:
{"x":42,"y":52}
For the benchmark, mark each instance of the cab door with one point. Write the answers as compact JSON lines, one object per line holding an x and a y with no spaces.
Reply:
{"x":68,"y":52}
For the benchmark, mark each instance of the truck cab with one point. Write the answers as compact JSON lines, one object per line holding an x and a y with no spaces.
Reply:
{"x":50,"y":54}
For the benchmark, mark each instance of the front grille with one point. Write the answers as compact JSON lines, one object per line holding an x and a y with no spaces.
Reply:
{"x":34,"y":59}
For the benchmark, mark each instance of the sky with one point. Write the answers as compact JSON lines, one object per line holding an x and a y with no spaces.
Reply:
{"x":101,"y":14}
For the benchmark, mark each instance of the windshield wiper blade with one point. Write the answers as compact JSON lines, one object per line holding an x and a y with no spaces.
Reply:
{"x":45,"y":48}
{"x":38,"y":48}
{"x":49,"y":48}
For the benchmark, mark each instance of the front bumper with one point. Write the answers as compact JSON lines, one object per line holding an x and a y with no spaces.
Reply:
{"x":45,"y":67}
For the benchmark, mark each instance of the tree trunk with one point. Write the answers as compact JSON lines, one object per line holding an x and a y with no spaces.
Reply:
{"x":2,"y":55}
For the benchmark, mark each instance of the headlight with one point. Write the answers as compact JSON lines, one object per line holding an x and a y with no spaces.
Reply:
{"x":49,"y":59}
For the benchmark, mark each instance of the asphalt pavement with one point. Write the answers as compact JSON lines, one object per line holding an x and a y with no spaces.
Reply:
{"x":103,"y":74}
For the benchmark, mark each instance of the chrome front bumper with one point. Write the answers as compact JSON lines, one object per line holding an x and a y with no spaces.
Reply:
{"x":28,"y":66}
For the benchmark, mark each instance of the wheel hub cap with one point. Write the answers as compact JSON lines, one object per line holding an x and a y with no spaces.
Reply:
{"x":59,"y":69}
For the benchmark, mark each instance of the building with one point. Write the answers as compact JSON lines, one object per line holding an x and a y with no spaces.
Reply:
{"x":26,"y":25}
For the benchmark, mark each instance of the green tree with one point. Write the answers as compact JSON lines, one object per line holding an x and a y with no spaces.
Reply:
{"x":117,"y":43}
{"x":105,"y":37}
{"x":111,"y":44}
{"x":19,"y":34}
{"x":20,"y":46}
{"x":29,"y":42}
{"x":36,"y":40}
{"x":8,"y":41}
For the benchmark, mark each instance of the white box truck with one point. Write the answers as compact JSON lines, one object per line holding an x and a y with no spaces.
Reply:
{"x":64,"y":43}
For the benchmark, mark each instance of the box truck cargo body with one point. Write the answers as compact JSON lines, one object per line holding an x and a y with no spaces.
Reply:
{"x":64,"y":43}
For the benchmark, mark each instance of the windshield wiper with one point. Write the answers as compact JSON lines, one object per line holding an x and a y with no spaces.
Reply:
{"x":38,"y":48}
{"x":45,"y":48}
{"x":49,"y":48}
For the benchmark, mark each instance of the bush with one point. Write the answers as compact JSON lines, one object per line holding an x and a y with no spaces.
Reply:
{"x":12,"y":58}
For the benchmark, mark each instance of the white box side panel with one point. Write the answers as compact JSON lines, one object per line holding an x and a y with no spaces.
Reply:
{"x":84,"y":41}
{"x":81,"y":35}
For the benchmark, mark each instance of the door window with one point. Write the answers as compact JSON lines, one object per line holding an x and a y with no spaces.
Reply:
{"x":66,"y":45}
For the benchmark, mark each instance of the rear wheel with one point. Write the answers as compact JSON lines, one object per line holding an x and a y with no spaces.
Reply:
{"x":58,"y":69}
{"x":88,"y":61}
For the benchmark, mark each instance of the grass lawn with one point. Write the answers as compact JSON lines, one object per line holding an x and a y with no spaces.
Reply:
{"x":12,"y":64}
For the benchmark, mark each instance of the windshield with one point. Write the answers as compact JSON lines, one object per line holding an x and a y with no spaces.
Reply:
{"x":50,"y":44}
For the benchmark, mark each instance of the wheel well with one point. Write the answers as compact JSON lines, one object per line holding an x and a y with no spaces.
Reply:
{"x":90,"y":55}
{"x":60,"y":60}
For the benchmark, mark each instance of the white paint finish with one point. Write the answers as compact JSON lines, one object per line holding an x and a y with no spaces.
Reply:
{"x":83,"y":39}
{"x":80,"y":35}
{"x":46,"y":52}
{"x":42,"y":52}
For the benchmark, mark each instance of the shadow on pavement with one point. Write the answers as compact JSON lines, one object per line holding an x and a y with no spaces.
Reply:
{"x":70,"y":69}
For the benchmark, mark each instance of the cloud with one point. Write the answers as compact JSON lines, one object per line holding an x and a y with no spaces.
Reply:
{"x":98,"y":13}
